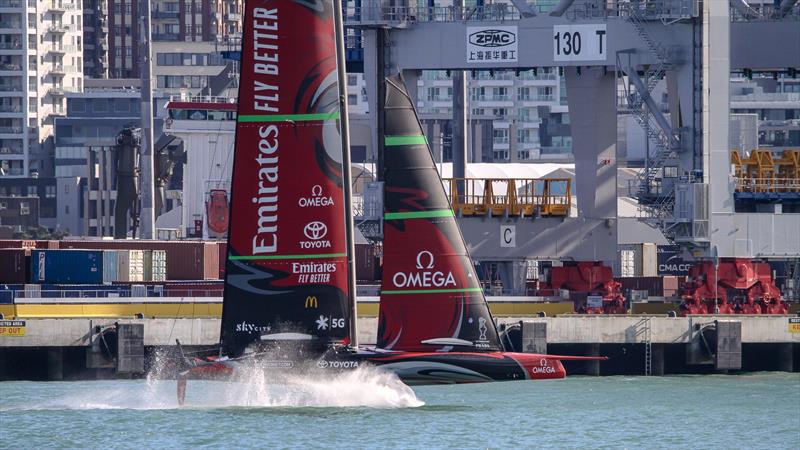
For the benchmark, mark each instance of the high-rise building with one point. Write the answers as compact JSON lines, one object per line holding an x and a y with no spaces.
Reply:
{"x":217,"y":21}
{"x":95,"y":38}
{"x":41,"y":58}
{"x":527,"y":108}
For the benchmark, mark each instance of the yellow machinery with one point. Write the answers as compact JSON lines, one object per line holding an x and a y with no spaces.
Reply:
{"x":512,"y":197}
{"x":761,"y":173}
{"x":789,"y":171}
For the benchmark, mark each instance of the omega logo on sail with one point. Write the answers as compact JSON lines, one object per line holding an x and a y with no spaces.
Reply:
{"x":425,"y":276}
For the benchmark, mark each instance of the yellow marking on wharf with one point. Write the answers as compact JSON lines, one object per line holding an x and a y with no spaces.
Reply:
{"x":214,"y":309}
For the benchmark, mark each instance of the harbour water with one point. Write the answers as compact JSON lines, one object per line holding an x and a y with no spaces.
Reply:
{"x":370,"y":410}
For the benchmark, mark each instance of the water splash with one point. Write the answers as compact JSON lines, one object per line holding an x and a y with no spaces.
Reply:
{"x":362,"y":387}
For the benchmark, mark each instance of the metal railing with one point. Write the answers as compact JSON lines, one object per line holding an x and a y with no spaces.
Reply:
{"x":111,"y":293}
{"x":372,"y":13}
{"x":767,"y":185}
{"x":513,"y":197}
{"x":200,"y":99}
{"x":764,"y":13}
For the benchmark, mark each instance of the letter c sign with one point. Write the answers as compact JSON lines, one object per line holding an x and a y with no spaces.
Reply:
{"x":508,"y":236}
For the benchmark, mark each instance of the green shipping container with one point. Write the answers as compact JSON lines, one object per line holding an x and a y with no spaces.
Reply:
{"x":155,"y":265}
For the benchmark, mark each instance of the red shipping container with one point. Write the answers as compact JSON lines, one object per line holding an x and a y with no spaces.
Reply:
{"x":365,"y":262}
{"x":223,"y":255}
{"x":17,"y":243}
{"x":13,"y":265}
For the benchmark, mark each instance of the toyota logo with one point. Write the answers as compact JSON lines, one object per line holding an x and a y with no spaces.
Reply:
{"x":322,"y":364}
{"x":315,"y":230}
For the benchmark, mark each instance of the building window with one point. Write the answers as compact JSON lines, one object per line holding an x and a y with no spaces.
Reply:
{"x":500,"y":135}
{"x":3,"y":205}
{"x":24,"y":209}
{"x":32,"y":192}
{"x":352,"y":99}
{"x":670,"y":171}
{"x":50,"y":191}
{"x":66,"y":209}
{"x":352,"y":80}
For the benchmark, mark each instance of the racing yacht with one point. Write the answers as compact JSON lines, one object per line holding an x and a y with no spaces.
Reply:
{"x":289,"y":301}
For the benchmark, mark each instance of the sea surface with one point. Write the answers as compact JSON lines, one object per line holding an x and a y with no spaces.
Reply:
{"x":371,"y":410}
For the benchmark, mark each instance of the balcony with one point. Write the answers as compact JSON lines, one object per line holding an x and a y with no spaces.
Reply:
{"x":166,"y":36}
{"x":10,"y":88}
{"x":11,"y":130}
{"x":56,"y":8}
{"x":13,"y":171}
{"x":10,"y":108}
{"x":10,"y":67}
{"x":63,"y":49}
{"x":233,"y":17}
{"x":10,"y":45}
{"x":11,"y":150}
{"x":60,"y":28}
{"x":157,"y":14}
{"x":12,"y":4}
{"x":9,"y":25}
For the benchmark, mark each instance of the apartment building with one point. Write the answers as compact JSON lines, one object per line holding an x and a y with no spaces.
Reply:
{"x":41,"y":60}
{"x":95,"y":38}
{"x":216,"y":21}
{"x":527,"y":109}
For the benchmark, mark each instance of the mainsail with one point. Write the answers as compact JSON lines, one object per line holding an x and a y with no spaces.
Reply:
{"x":287,"y":271}
{"x":431,"y":298}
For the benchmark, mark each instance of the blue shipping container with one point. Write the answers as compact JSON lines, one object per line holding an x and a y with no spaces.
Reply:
{"x":66,"y":266}
{"x":110,"y":265}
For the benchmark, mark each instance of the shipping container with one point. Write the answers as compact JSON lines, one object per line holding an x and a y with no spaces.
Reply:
{"x":110,"y":265}
{"x":130,"y":265}
{"x":46,"y":245}
{"x":155,"y":265}
{"x":638,"y":260}
{"x":199,"y":288}
{"x":366,"y":263}
{"x":66,"y":266}
{"x":13,"y":266}
{"x":223,"y":256}
{"x":17,"y":243}
{"x":186,"y":260}
{"x":653,"y":285}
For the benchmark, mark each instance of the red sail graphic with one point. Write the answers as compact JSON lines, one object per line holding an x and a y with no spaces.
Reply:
{"x":286,"y":270}
{"x":429,"y":291}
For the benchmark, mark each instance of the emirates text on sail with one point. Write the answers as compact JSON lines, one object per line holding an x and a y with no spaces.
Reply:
{"x":265,"y":98}
{"x":266,"y":238}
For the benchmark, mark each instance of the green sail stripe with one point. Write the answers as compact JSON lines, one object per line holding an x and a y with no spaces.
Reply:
{"x":431,"y":291}
{"x":321,"y":255}
{"x":290,"y":117}
{"x":420,"y":214}
{"x":391,"y":141}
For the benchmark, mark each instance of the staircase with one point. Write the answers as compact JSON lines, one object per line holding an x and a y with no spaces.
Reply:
{"x":656,"y":200}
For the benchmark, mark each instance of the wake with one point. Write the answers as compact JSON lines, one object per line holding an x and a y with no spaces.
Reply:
{"x":362,"y":387}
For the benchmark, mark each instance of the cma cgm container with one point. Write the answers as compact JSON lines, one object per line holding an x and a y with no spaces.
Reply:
{"x":66,"y":266}
{"x":13,"y":266}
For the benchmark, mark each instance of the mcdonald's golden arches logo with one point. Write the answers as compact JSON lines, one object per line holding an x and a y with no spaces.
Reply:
{"x":311,"y":302}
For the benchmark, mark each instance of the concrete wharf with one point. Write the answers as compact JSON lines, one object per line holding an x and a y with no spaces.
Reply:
{"x":89,"y":348}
